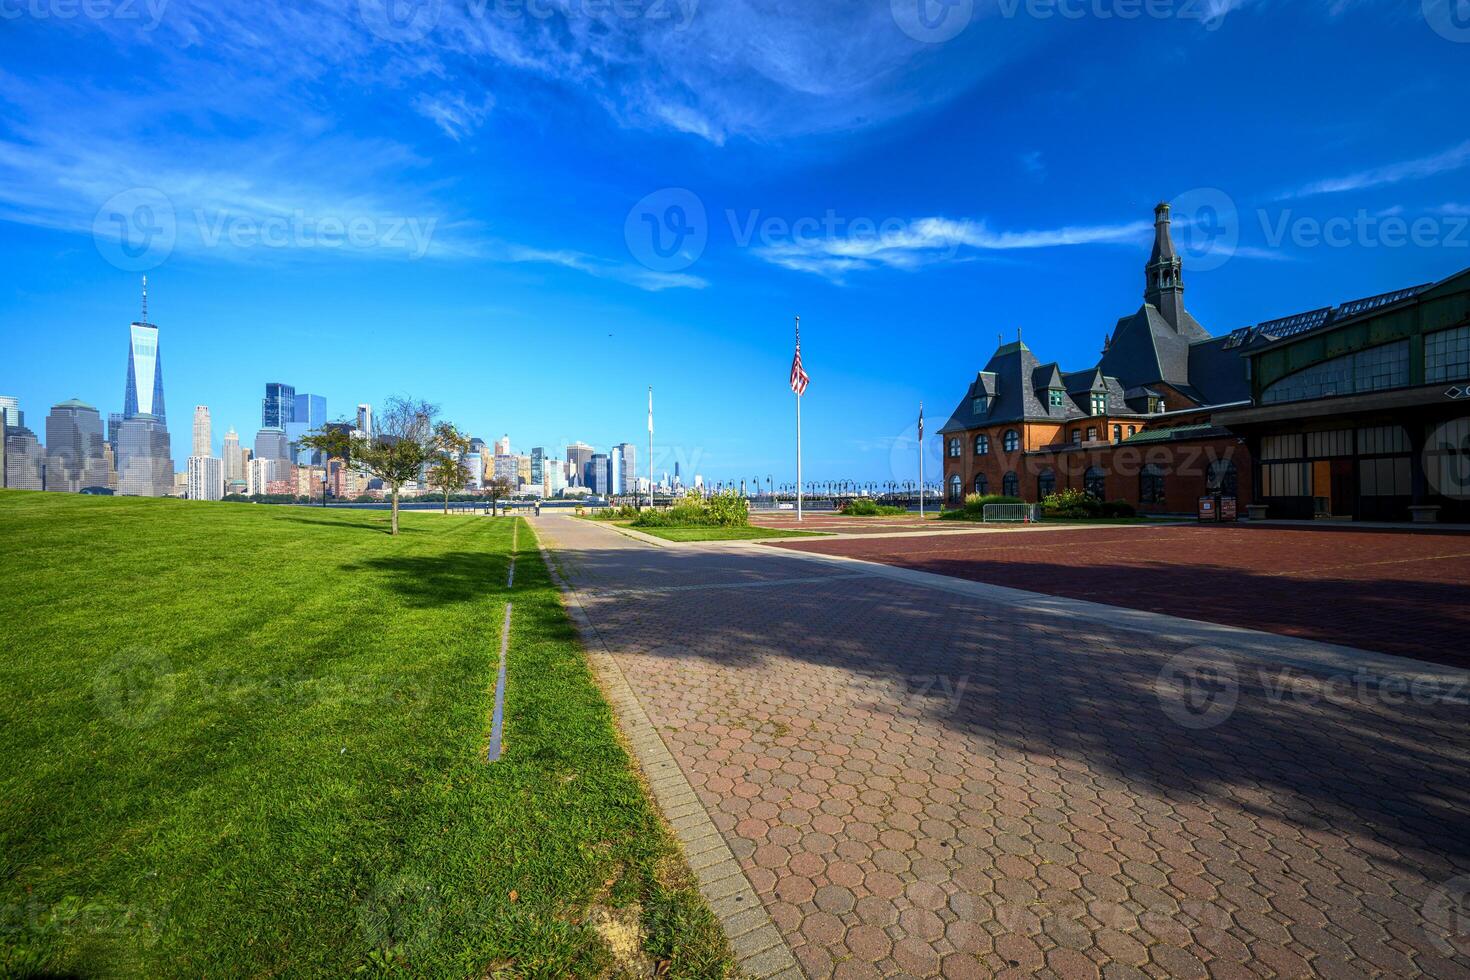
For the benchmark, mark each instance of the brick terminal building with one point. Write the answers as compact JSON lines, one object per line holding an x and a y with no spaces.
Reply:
{"x":1136,"y":426}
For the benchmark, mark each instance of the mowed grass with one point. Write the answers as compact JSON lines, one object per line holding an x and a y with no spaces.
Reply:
{"x":249,"y":741}
{"x":750,"y":533}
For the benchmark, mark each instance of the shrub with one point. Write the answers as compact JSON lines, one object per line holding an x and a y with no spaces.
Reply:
{"x":718,"y":510}
{"x":627,"y":512}
{"x":1071,"y":503}
{"x":863,"y":507}
{"x":974,"y":507}
{"x":1119,"y":508}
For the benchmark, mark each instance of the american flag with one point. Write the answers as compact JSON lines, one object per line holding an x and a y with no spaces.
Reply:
{"x":799,"y":379}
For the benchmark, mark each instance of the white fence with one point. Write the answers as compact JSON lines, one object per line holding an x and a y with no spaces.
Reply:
{"x":1012,"y":513}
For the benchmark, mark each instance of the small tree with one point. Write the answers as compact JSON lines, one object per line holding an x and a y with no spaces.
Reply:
{"x":498,"y":487}
{"x":403,"y":441}
{"x":447,"y":472}
{"x":335,"y":441}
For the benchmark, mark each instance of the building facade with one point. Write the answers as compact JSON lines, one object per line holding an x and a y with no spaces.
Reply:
{"x":1362,"y":411}
{"x":144,"y":392}
{"x":1135,"y":426}
{"x":233,"y":462}
{"x":271,"y":443}
{"x":25,"y":463}
{"x":203,"y":438}
{"x":206,"y":477}
{"x":75,"y":449}
{"x":599,"y":474}
{"x":579,"y":455}
{"x":278,"y":406}
{"x":627,"y":468}
{"x":145,"y":459}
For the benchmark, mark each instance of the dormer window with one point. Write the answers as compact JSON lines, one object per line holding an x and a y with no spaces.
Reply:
{"x":1099,"y":403}
{"x":981,"y":405}
{"x":1155,"y":404}
{"x":1056,"y":397}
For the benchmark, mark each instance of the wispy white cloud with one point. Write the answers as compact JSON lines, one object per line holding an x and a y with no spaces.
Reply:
{"x":455,"y":113}
{"x":931,"y":241}
{"x":1454,"y":158}
{"x":633,"y":275}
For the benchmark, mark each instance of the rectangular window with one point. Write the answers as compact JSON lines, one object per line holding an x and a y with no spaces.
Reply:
{"x":981,"y":406}
{"x":1383,"y":440}
{"x":1325,"y":445}
{"x":1076,"y":437}
{"x":1099,"y":404}
{"x":1058,"y":398}
{"x":1386,"y":477}
{"x":1286,"y":480}
{"x":1092,"y":433}
{"x":1117,"y":433}
{"x":1282,"y":447}
{"x":1447,"y":355}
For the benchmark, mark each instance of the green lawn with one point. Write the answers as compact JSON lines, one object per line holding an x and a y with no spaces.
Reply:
{"x":243,"y":740}
{"x":749,"y":533}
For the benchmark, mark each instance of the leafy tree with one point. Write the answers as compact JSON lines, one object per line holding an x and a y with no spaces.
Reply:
{"x":402,"y":442}
{"x":447,"y":472}
{"x":498,"y":487}
{"x":334,"y":441}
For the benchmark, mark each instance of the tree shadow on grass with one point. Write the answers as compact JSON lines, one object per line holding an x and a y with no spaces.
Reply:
{"x":428,"y":581}
{"x":382,"y":526}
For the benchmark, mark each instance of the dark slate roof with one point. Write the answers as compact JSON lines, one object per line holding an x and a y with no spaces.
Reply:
{"x":1145,"y":348}
{"x":1300,"y":324}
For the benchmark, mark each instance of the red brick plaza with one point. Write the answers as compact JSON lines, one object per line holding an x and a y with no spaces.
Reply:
{"x":1389,"y":591}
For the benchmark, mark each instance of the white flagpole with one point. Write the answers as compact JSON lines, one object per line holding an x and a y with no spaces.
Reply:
{"x":799,"y":516}
{"x":650,"y":447}
{"x":921,"y":461}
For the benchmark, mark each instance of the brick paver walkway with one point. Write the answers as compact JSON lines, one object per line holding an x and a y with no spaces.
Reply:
{"x":1399,"y":592}
{"x":919,"y":782}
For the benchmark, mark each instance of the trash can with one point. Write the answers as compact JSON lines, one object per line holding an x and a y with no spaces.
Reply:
{"x":1209,"y":509}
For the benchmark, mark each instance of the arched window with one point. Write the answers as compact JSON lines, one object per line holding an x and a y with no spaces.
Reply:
{"x":1151,"y":485}
{"x":956,"y":489}
{"x":1046,"y":483}
{"x":1011,"y":485}
{"x":982,"y":485}
{"x":1223,"y":478}
{"x":1012,"y":440}
{"x":982,"y":445}
{"x":954,"y":448}
{"x":1095,"y":482}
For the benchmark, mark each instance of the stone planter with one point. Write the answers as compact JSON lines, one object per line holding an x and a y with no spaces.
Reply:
{"x":1424,"y":514}
{"x":1257,"y":512}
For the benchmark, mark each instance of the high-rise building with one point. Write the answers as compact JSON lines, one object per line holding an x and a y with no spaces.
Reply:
{"x":579,"y":454}
{"x":364,"y":420}
{"x":145,"y":461}
{"x":234,"y":465}
{"x":203,"y":438}
{"x":278,"y":407}
{"x":523,"y":471}
{"x":25,"y":466}
{"x":553,"y":476}
{"x":114,"y":425}
{"x":507,"y":469}
{"x":144,"y":392}
{"x":75,"y":459}
{"x":502,"y":446}
{"x":10,"y":410}
{"x":615,"y":471}
{"x":261,"y":473}
{"x":599,"y":474}
{"x":309,"y":415}
{"x":474,"y":464}
{"x":206,"y":478}
{"x":628,"y":458}
{"x":270,"y":443}
{"x":537,"y":455}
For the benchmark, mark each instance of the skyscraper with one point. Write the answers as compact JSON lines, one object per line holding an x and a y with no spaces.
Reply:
{"x":502,"y":446}
{"x":599,"y":475}
{"x":202,"y":436}
{"x":365,"y":420}
{"x":628,"y":458}
{"x":309,"y":414}
{"x":278,"y":407}
{"x":615,"y":470}
{"x":206,"y":478}
{"x":270,"y":443}
{"x":145,"y":461}
{"x":144,"y":392}
{"x":234,"y":466}
{"x":579,"y":454}
{"x":75,"y":459}
{"x":25,"y":465}
{"x":537,"y":455}
{"x":10,"y":409}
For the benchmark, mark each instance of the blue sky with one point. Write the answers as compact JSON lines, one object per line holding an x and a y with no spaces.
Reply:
{"x":458,"y":200}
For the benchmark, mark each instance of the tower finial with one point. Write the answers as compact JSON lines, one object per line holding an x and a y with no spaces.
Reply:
{"x":145,"y":297}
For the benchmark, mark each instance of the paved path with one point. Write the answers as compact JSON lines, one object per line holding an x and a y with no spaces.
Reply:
{"x":923,"y":776}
